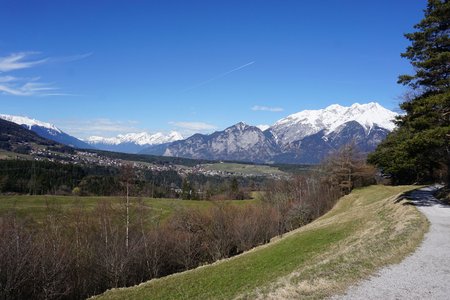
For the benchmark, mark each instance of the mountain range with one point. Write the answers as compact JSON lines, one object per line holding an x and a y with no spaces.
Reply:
{"x":304,"y":137}
{"x":133,"y":142}
{"x":128,"y":143}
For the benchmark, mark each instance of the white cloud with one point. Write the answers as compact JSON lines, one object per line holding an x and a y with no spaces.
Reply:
{"x":16,"y":86}
{"x":266,"y":108}
{"x":263,"y":126}
{"x":101,"y":127}
{"x":4,"y":79}
{"x":194,"y":126}
{"x":21,"y":87}
{"x":17,"y":61}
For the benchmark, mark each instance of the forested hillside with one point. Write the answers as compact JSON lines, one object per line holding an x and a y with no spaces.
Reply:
{"x":18,"y":139}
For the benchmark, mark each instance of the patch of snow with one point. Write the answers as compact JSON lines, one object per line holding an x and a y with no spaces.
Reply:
{"x":263,"y":127}
{"x":28,"y":122}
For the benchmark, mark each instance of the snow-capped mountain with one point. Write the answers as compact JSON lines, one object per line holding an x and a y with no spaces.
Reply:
{"x":313,"y":148}
{"x":19,"y":139}
{"x":30,"y":123}
{"x":299,"y":125}
{"x":133,"y":142}
{"x":46,"y":130}
{"x":304,"y":137}
{"x":142,"y":138}
{"x":238,"y":142}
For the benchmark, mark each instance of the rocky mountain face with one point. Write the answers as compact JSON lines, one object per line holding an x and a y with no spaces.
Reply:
{"x":313,"y":148}
{"x":47,"y":131}
{"x":305,"y":137}
{"x":239,"y":142}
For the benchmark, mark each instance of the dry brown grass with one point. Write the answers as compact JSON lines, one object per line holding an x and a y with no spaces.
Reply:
{"x":385,"y":233}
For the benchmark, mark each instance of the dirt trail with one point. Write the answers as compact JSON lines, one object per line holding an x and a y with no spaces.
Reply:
{"x":423,"y":275}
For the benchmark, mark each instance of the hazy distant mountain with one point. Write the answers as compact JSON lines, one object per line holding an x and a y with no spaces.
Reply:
{"x":47,"y":130}
{"x":134,"y":142}
{"x":304,"y":137}
{"x":155,"y":149}
{"x":238,"y":142}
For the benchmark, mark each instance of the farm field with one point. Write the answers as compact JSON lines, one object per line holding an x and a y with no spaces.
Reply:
{"x":245,"y":169}
{"x":38,"y":207}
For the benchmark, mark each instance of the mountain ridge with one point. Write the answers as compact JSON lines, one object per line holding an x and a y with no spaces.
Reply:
{"x":307,"y":122}
{"x":133,"y":142}
{"x":304,"y":137}
{"x":140,"y":138}
{"x":241,"y":140}
{"x":19,"y":139}
{"x":46,"y":130}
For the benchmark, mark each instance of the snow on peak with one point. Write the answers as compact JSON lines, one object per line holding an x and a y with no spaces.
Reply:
{"x":175,"y":136}
{"x":28,"y":122}
{"x":307,"y":122}
{"x":263,"y":127}
{"x":140,"y":138}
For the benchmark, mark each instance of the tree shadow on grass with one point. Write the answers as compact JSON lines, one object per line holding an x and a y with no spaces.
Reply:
{"x":422,"y":197}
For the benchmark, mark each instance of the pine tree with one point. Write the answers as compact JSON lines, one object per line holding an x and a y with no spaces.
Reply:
{"x":429,"y":52}
{"x":418,"y":150}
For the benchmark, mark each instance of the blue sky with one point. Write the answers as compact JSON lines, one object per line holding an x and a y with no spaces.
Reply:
{"x":109,"y":67}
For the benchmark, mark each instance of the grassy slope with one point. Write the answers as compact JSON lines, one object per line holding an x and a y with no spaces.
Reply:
{"x":38,"y":206}
{"x":363,"y":232}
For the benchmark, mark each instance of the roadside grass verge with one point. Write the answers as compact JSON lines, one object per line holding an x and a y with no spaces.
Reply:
{"x":363,"y":232}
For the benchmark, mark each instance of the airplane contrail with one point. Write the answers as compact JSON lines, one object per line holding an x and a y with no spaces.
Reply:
{"x":218,"y":76}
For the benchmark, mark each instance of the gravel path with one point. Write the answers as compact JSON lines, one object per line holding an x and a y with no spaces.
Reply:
{"x":423,"y":275}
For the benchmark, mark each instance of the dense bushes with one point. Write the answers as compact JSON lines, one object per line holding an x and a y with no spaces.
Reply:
{"x":83,"y":253}
{"x":77,"y":253}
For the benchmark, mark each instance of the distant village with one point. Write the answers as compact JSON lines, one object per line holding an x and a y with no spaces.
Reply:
{"x":91,"y":158}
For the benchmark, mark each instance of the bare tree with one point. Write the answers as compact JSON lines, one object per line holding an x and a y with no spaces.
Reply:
{"x":127,"y":177}
{"x":219,"y":231}
{"x":347,"y":168}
